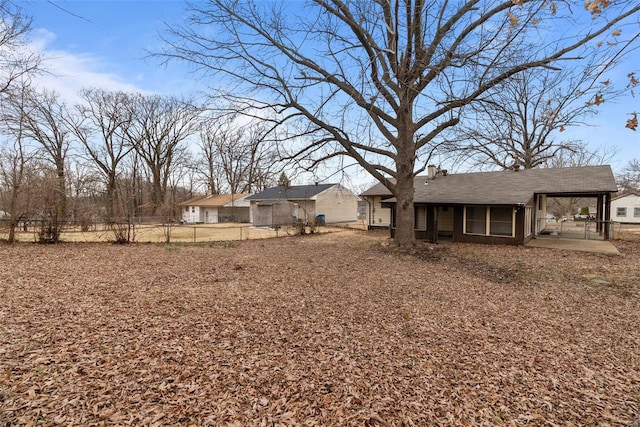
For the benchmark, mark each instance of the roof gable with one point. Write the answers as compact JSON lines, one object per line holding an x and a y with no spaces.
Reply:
{"x":630,"y":195}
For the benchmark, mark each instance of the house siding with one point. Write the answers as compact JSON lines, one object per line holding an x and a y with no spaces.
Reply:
{"x":630,"y":202}
{"x":378,"y":216}
{"x":540,"y":213}
{"x":189,"y":216}
{"x":337,"y":204}
{"x":210,"y":216}
{"x":306,"y":210}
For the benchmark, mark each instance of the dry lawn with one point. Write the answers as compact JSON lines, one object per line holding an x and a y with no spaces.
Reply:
{"x":155,"y":233}
{"x":332,"y":329}
{"x":187,"y":233}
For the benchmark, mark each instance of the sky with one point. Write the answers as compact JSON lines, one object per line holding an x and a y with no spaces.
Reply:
{"x":106,"y":44}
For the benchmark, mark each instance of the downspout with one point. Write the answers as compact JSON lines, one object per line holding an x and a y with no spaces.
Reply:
{"x":369,"y":212}
{"x":534,"y":216}
{"x":607,"y":216}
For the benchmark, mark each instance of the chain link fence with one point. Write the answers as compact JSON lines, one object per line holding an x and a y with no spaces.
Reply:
{"x":145,"y":230}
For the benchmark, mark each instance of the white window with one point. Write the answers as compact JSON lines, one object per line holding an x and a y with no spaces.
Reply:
{"x":489,"y":221}
{"x":636,"y":212}
{"x":621,"y":211}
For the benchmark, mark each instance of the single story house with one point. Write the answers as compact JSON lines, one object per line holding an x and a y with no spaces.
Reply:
{"x":503,"y":207}
{"x":215,"y":208}
{"x":626,"y":208}
{"x":281,"y":205}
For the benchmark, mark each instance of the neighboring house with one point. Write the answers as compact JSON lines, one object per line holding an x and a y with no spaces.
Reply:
{"x":377,"y":216}
{"x":507,"y":207}
{"x":216,"y":208}
{"x":286,"y":204}
{"x":626,"y":208}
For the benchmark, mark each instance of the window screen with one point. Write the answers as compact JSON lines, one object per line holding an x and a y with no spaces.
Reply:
{"x":476,"y":220}
{"x":501,"y":221}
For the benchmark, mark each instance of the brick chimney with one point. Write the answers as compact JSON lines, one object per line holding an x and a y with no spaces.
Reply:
{"x":431,"y":171}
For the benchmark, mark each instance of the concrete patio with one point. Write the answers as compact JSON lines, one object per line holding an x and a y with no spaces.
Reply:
{"x":574,"y":244}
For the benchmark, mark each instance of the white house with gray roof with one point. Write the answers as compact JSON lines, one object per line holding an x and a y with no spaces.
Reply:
{"x":626,"y":208}
{"x":499,"y":207}
{"x":275,"y":206}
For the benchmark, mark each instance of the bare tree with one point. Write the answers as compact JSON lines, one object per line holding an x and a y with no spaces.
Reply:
{"x":15,"y":59}
{"x":45,"y":122}
{"x":522,"y":120}
{"x":236,"y":157}
{"x":210,"y":168}
{"x":85,"y":193}
{"x":629,"y":178}
{"x":403,"y":68}
{"x":159,"y":126}
{"x":101,"y":127}
{"x":580,"y":155}
{"x":15,"y":155}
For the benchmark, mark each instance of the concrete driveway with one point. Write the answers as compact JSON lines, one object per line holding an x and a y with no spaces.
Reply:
{"x":554,"y":242}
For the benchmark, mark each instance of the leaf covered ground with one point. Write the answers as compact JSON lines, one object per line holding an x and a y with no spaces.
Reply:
{"x":332,"y":329}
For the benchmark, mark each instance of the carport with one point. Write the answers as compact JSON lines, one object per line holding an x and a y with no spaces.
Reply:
{"x":602,"y":220}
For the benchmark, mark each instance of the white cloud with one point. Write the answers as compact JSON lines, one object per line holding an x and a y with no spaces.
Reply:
{"x":67,"y":73}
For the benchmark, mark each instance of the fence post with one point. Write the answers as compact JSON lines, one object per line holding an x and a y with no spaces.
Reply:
{"x":240,"y":233}
{"x":194,"y":234}
{"x":561,"y":224}
{"x":585,"y":229}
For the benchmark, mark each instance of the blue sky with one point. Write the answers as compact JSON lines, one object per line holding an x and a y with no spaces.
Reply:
{"x":106,"y":44}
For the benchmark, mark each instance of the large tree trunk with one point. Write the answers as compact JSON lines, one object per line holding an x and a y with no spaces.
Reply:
{"x":405,"y":164}
{"x":405,"y":214}
{"x":111,"y":198}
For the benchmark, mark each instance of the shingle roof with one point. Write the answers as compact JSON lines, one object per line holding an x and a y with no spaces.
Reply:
{"x":622,"y":196}
{"x":192,"y":201}
{"x":508,"y":187}
{"x":294,"y":192}
{"x":213,"y":200}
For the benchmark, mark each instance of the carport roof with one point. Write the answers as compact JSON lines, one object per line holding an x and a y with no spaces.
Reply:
{"x":508,"y":187}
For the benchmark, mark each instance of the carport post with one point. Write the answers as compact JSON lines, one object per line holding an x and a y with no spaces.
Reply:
{"x":607,"y":215}
{"x":599,"y":216}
